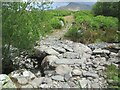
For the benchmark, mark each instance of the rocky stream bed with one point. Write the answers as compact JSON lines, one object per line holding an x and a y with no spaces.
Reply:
{"x":63,"y":64}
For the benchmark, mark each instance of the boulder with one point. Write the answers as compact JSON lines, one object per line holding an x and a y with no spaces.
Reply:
{"x":49,"y":61}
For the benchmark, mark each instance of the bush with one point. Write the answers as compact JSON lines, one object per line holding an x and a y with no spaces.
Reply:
{"x":73,"y":33}
{"x":107,"y":22}
{"x":55,"y":22}
{"x":94,"y":29}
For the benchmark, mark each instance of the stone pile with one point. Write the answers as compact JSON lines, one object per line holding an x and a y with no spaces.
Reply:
{"x":66,"y":64}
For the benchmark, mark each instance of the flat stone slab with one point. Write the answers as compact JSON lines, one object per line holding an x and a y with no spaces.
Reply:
{"x":90,"y":74}
{"x":69,"y":61}
{"x":71,"y":55}
{"x":59,"y":49}
{"x":58,"y":78}
{"x":63,"y":69}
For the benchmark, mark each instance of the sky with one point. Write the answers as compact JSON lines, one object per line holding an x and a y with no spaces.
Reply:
{"x":59,"y":4}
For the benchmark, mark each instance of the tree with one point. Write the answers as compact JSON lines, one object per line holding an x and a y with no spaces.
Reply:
{"x":22,"y":26}
{"x":106,"y":9}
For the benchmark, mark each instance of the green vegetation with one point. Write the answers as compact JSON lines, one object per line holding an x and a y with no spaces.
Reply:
{"x":90,"y":28}
{"x":55,"y":22}
{"x":22,"y":28}
{"x":113,"y":73}
{"x":106,"y":8}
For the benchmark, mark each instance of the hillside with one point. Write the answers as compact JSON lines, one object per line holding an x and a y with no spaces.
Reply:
{"x":74,"y":6}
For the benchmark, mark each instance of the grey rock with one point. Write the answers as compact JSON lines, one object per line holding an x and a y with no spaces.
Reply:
{"x":68,"y":48}
{"x":59,"y":49}
{"x":22,"y":73}
{"x":29,"y":74}
{"x":83,"y":83}
{"x":89,"y":74}
{"x":40,"y":49}
{"x":100,"y":68}
{"x":101,"y":51}
{"x":71,"y":55}
{"x":36,"y":82}
{"x":49,"y":61}
{"x":47,"y":80}
{"x":81,"y":48}
{"x":63,"y":69}
{"x":64,"y":85}
{"x":49,"y":72}
{"x":95,"y":85}
{"x":71,"y":84}
{"x":60,"y":56}
{"x":67,"y":76}
{"x":58,"y":78}
{"x":114,"y":60}
{"x":44,"y":86}
{"x":51,"y":51}
{"x":22,"y":80}
{"x":69,"y":61}
{"x":76,"y":72}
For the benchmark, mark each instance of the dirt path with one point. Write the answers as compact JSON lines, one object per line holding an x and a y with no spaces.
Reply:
{"x":59,"y":33}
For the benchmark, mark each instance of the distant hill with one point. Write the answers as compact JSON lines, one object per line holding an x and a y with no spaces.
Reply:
{"x":74,"y":6}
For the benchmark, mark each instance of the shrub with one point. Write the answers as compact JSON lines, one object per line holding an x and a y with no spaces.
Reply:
{"x":55,"y":22}
{"x":107,"y":22}
{"x":95,"y":29}
{"x":73,"y":33}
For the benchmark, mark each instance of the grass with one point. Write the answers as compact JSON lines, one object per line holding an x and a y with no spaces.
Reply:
{"x":113,"y":73}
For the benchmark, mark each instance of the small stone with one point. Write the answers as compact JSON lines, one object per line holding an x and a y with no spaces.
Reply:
{"x":100,"y":51}
{"x":71,"y":84}
{"x":47,"y":80}
{"x":64,"y":85}
{"x":58,"y":78}
{"x":67,"y":76}
{"x":22,"y":80}
{"x":63,"y":69}
{"x":89,"y":74}
{"x":83,"y":83}
{"x":44,"y":86}
{"x":36,"y":82}
{"x":71,"y":55}
{"x":76,"y":72}
{"x":95,"y":85}
{"x":29,"y":74}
